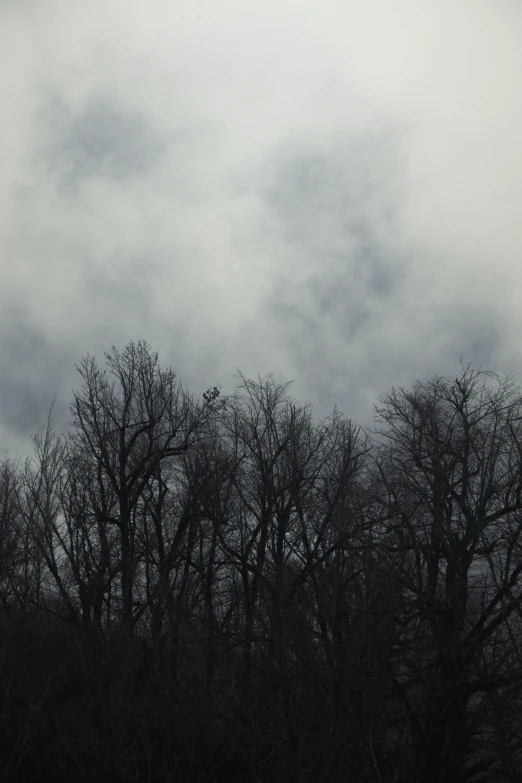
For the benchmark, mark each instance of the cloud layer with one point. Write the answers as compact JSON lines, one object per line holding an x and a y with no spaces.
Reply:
{"x":330,"y":191}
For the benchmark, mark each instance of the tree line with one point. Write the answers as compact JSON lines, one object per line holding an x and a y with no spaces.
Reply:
{"x":227,"y":589}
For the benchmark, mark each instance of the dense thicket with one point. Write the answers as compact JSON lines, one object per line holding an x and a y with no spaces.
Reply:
{"x":226,"y":589}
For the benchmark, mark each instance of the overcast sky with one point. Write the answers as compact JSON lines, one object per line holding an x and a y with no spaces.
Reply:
{"x":327,"y":190}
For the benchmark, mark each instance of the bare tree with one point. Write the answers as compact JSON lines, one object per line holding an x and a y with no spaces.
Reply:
{"x":449,"y":463}
{"x":131,"y":421}
{"x":296,"y":493}
{"x":127,"y":428}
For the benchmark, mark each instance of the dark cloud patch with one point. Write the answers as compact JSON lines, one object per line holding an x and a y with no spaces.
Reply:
{"x":32,"y":370}
{"x":348,"y":183}
{"x":121,"y":303}
{"x":123,"y":308}
{"x":336,"y":298}
{"x":304,"y":186}
{"x":376,"y":266}
{"x":304,"y":336}
{"x":302,"y":325}
{"x":436,"y":347}
{"x":118,"y":309}
{"x":102,"y":139}
{"x":337,"y":206}
{"x":34,"y":367}
{"x":475,"y":335}
{"x":337,"y":210}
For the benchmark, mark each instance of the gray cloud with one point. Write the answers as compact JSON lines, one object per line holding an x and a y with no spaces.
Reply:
{"x":475,"y":334}
{"x":101,"y":138}
{"x":33,"y":369}
{"x":343,"y":210}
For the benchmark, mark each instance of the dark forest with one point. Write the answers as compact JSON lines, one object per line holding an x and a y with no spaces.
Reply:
{"x":226,"y":589}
